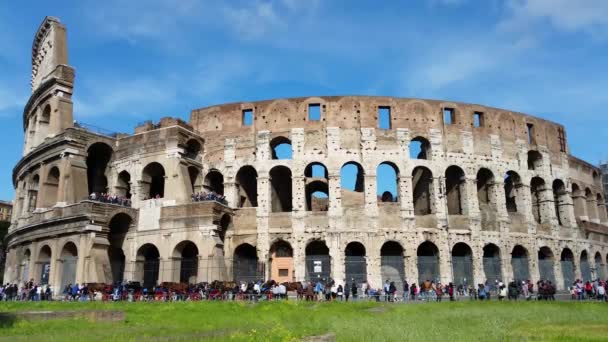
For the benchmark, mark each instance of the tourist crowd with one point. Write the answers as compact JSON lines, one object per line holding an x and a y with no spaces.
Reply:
{"x":110,"y":198}
{"x":309,"y":291}
{"x":208,"y":196}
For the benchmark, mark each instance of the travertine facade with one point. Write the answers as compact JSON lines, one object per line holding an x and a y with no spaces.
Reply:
{"x":479,"y":193}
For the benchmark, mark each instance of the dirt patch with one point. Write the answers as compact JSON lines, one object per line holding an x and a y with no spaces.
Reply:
{"x":92,"y":315}
{"x":320,"y":338}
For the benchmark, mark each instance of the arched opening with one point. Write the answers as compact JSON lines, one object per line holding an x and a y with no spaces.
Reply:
{"x":123,"y":185}
{"x":591,"y":205}
{"x":355,"y":263}
{"x":578,"y":197}
{"x":214,"y":182}
{"x":224,"y":226}
{"x":318,"y":261}
{"x":599,"y":266}
{"x":546,"y":264}
{"x":462,"y":264}
{"x":185,"y":256}
{"x":491,"y":262}
{"x":352,"y":182}
{"x":44,"y":260}
{"x":247,"y":187}
{"x":148,"y":264}
{"x":194,"y":174}
{"x":281,"y":262}
{"x":455,"y":190}
{"x":535,"y":160}
{"x":585,"y":267}
{"x":153,"y":181}
{"x":519,"y":263}
{"x":281,"y":148}
{"x":98,"y":157}
{"x":392,"y":265}
{"x":193,"y":148}
{"x":51,"y":194}
{"x":422,"y":183}
{"x":428,"y":262}
{"x":317,"y":189}
{"x":601,"y":208}
{"x":560,"y":200}
{"x":568,"y":268}
{"x":245,"y":264}
{"x":387,"y":183}
{"x":280,"y":187}
{"x":119,"y":227}
{"x":486,"y":191}
{"x":44,"y":122}
{"x":32,"y":193}
{"x":537,"y":187}
{"x":69,"y":259}
{"x":24,"y":266}
{"x":420,"y":148}
{"x":512,"y":187}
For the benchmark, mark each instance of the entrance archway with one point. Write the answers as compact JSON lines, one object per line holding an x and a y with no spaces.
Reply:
{"x":281,"y":262}
{"x":567,"y":263}
{"x":391,"y":263}
{"x":519,"y":263}
{"x":491,"y":262}
{"x":462,"y":264}
{"x":428,"y":262}
{"x":546,"y":264}
{"x":318,"y":261}
{"x":119,"y":227}
{"x":245,"y":264}
{"x":185,"y":256}
{"x":585,"y":267}
{"x":148,"y":260}
{"x":69,"y":259}
{"x":354,"y":263}
{"x":44,"y":260}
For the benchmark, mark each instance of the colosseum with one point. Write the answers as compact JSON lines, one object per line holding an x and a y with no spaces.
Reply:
{"x":340,"y":187}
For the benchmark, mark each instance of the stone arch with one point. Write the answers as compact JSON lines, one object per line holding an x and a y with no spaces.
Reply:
{"x":355,"y":263}
{"x":455,"y":188}
{"x":520,"y":263}
{"x":32,"y":192}
{"x":387,"y":182}
{"x":123,"y":184}
{"x":585,"y":266}
{"x":352,"y":182}
{"x":51,"y":186}
{"x":245,"y":264}
{"x":537,"y":188}
{"x":578,"y":197}
{"x":99,"y":155}
{"x":486,"y":189}
{"x":512,"y":188}
{"x":185,"y":257}
{"x":492,"y":264}
{"x":24,"y":265}
{"x":318,"y":261}
{"x":214,"y":182}
{"x":568,"y":267}
{"x":422,"y":185}
{"x":462,"y":264}
{"x":392,"y":263}
{"x":148,"y":264}
{"x":247,"y":186}
{"x":194,"y":175}
{"x":316,"y":187}
{"x":69,"y":260}
{"x":428,"y":262}
{"x":153,"y":180}
{"x":420,"y":148}
{"x":119,"y":226}
{"x":224,"y":225}
{"x":560,"y":201}
{"x":281,"y":148}
{"x":192,"y":148}
{"x":599,"y":266}
{"x":44,"y":261}
{"x":535,"y":160}
{"x":281,"y":189}
{"x":281,"y":261}
{"x":546,"y":264}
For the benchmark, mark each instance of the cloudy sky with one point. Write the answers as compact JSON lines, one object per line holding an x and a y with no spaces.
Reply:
{"x":145,"y":59}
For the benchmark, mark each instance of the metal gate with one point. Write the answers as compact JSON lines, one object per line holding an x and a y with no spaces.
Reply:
{"x":355,"y":269}
{"x":45,"y":271}
{"x":546,"y":269}
{"x":25,"y":271}
{"x":318,"y":267}
{"x":600,"y":270}
{"x":118,"y":270}
{"x":492,"y":268}
{"x":247,"y":270}
{"x":462,"y":268}
{"x":428,"y":268}
{"x":151,"y":268}
{"x":68,"y":273}
{"x":520,"y":268}
{"x":188,"y":268}
{"x":568,"y":273}
{"x":585,"y":270}
{"x":393,"y":269}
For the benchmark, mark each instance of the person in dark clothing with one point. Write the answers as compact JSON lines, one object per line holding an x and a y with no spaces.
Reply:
{"x":346,"y":292}
{"x":406,"y":289}
{"x":353,"y":289}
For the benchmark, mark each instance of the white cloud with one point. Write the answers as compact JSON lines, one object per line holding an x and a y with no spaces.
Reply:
{"x":590,"y":16}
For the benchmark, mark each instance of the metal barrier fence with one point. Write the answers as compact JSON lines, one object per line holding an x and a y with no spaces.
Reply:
{"x":521,"y":270}
{"x":462,"y":268}
{"x":428,"y":268}
{"x":492,"y":268}
{"x":568,"y":272}
{"x":546,"y":268}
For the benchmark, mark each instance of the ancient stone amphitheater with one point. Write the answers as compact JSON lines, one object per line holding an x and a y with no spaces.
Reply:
{"x":340,"y":187}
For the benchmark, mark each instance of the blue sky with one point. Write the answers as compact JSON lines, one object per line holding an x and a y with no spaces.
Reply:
{"x":141,"y":60}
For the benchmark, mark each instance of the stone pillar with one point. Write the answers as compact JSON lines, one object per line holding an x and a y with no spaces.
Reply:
{"x":298,"y":200}
{"x":370,"y":197}
{"x":506,"y":267}
{"x":479,"y":274}
{"x":500,"y":198}
{"x":592,"y":210}
{"x":337,"y":258}
{"x":559,"y":274}
{"x":547,"y":206}
{"x":231,"y":193}
{"x":438,"y":202}
{"x":471,"y":202}
{"x":262,"y":151}
{"x":533,"y":265}
{"x":335,"y":195}
{"x":445,"y":258}
{"x":264,"y":206}
{"x":406,"y":198}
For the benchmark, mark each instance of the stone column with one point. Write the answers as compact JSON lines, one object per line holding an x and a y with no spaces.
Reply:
{"x":438,"y":202}
{"x":298,"y":200}
{"x":592,"y":210}
{"x":471,"y":202}
{"x":264,"y":205}
{"x":335,"y":195}
{"x":370,"y":197}
{"x":406,"y":198}
{"x":559,"y":274}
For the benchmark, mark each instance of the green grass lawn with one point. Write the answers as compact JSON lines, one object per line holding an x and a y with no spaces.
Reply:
{"x":286,"y":321}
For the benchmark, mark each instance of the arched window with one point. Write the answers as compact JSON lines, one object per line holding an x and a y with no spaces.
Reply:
{"x":560,"y":200}
{"x":193,"y":148}
{"x":420,"y":148}
{"x":387,"y":182}
{"x":214,"y":182}
{"x":317,"y":189}
{"x":281,"y":148}
{"x":153,"y":181}
{"x":281,"y":194}
{"x":485,"y":189}
{"x":245,"y":264}
{"x":422,"y":183}
{"x":537,"y":187}
{"x":32,"y":193}
{"x":247,"y":187}
{"x":98,"y":157}
{"x":535,"y":160}
{"x":512,"y":185}
{"x":352,"y":182}
{"x":123,"y":185}
{"x":568,"y":268}
{"x":51,"y":186}
{"x":455,"y":190}
{"x":119,"y":227}
{"x":578,"y":197}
